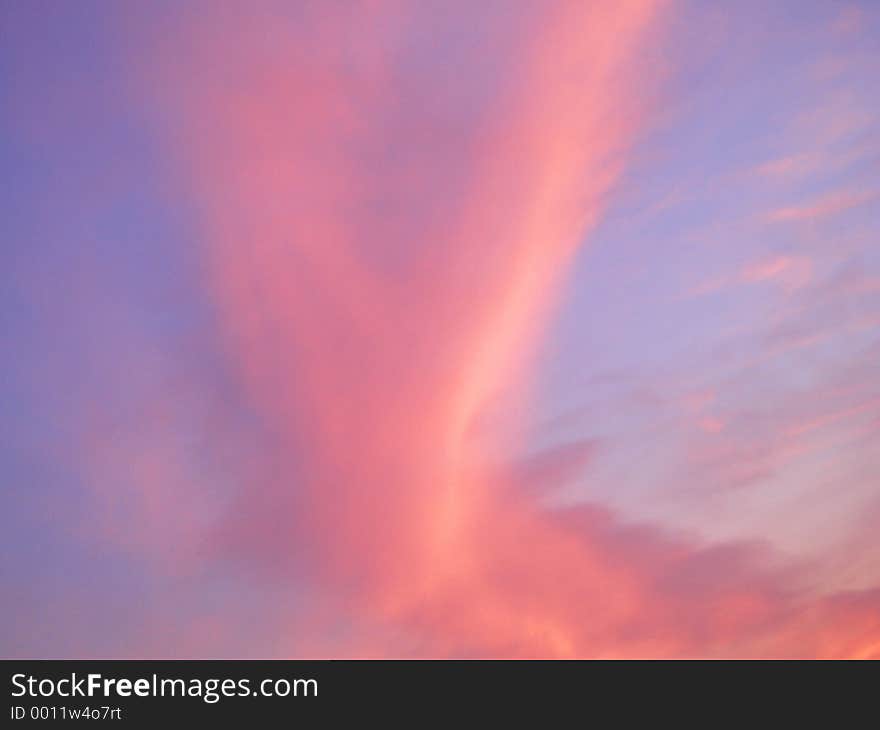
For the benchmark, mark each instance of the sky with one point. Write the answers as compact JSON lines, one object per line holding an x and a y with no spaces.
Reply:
{"x":440,"y":329}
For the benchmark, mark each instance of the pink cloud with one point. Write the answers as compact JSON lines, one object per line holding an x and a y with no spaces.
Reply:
{"x":824,"y":207}
{"x":783,"y":166}
{"x":788,"y":272}
{"x":850,"y":18}
{"x":792,"y":272}
{"x":711,"y":424}
{"x":380,"y":273}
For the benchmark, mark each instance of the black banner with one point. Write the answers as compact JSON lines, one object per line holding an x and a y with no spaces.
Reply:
{"x":544,"y":693}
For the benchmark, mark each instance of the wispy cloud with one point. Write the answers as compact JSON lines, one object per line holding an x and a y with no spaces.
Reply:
{"x":823,"y":207}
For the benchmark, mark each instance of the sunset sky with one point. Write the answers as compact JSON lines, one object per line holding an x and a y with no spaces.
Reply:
{"x":440,"y":329}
